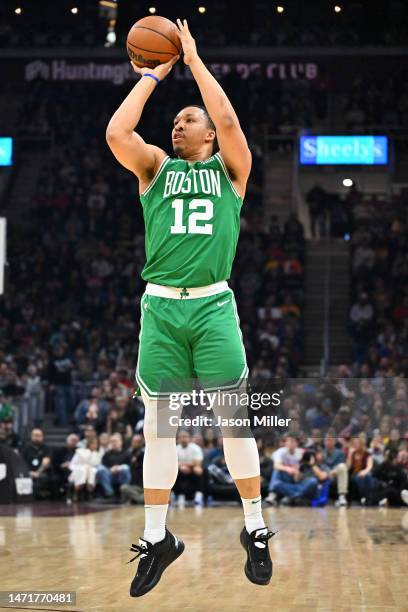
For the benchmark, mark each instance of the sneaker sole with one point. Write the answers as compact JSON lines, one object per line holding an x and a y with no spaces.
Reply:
{"x":255,"y":581}
{"x":248,"y":574}
{"x":148,"y":587}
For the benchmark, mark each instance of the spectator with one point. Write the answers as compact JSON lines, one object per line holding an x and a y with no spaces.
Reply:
{"x":62,"y":458}
{"x":114,"y":470}
{"x":60,"y":380}
{"x":34,"y":393}
{"x":333,"y":462}
{"x":266,"y":465}
{"x":89,"y":434}
{"x":189,"y":483}
{"x":218,"y":481}
{"x":134,"y":490}
{"x":38,"y":458}
{"x":83,"y":468}
{"x":104,"y":442}
{"x":394,"y":439}
{"x":363,"y":258}
{"x":118,"y":420}
{"x":391,"y":481}
{"x":377,"y":448}
{"x":6,"y":408}
{"x":360,"y":464}
{"x":361,"y":316}
{"x":286,"y":481}
{"x":316,"y":200}
{"x":92,"y":411}
{"x":9,"y":436}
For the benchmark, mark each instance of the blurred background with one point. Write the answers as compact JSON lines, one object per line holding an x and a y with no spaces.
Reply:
{"x":321,"y":272}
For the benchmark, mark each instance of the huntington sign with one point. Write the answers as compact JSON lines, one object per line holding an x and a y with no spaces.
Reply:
{"x":119,"y":73}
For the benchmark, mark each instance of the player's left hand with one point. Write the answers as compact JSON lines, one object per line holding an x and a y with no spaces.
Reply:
{"x":161,"y":71}
{"x":187,"y":42}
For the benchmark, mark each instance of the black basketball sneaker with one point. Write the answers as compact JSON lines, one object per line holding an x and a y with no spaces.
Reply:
{"x":154,"y":558}
{"x":258,"y":567}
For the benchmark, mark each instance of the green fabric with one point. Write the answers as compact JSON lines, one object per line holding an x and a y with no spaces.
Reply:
{"x":191,"y":213}
{"x":184,"y":339}
{"x":6,"y":412}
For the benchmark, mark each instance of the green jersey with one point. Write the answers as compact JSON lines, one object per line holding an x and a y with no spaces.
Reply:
{"x":191,"y":212}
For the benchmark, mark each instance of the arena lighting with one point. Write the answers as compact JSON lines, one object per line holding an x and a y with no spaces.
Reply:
{"x":202,"y":9}
{"x":111,"y":33}
{"x":280,"y":9}
{"x":74,"y":10}
{"x":337,"y":9}
{"x":110,"y":39}
{"x":152,"y":9}
{"x":348,"y":182}
{"x":108,"y":4}
{"x":18,"y":11}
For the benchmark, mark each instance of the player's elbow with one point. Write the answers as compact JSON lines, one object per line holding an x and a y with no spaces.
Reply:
{"x":112,"y":134}
{"x":116,"y":134}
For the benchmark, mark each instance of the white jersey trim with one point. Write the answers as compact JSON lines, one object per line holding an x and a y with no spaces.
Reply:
{"x":156,"y":176}
{"x":218,"y":156}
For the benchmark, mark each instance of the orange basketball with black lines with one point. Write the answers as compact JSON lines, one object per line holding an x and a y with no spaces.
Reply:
{"x":152,"y":41}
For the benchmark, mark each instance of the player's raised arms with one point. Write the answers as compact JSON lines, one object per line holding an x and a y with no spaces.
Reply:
{"x":231,"y":139}
{"x":128,"y":147}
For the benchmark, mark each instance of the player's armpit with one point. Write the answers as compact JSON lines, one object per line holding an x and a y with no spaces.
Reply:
{"x":134,"y":154}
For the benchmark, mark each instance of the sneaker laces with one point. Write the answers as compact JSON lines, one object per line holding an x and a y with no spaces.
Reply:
{"x":261,"y":539}
{"x":143,"y":549}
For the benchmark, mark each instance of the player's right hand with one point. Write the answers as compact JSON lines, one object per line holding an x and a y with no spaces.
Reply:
{"x":160,"y":71}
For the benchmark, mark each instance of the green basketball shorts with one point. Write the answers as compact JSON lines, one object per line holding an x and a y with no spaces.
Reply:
{"x":188,"y":334}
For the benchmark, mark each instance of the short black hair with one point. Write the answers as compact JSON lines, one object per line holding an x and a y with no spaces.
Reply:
{"x":205,"y":111}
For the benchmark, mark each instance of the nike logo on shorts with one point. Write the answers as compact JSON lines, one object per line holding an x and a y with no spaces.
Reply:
{"x":222,"y":303}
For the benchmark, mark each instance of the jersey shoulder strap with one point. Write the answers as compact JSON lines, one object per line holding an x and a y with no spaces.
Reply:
{"x":226,"y":173}
{"x":156,"y":176}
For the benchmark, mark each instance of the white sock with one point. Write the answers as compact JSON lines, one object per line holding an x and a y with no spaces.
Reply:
{"x":253,"y":514}
{"x":155,"y":522}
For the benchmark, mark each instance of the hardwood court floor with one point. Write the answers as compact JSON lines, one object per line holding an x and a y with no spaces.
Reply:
{"x":324,"y":560}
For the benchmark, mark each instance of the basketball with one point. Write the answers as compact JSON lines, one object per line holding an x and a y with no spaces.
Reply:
{"x":152,"y":41}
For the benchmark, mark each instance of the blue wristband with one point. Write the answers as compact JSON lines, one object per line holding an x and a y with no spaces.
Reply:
{"x":153,"y":76}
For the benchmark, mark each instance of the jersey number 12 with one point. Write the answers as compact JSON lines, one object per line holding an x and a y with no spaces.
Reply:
{"x":205,"y":215}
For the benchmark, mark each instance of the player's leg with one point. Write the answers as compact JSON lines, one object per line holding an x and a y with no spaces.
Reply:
{"x":220,"y":361}
{"x":163,"y":355}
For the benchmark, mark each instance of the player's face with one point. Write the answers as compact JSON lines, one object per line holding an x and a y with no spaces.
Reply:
{"x":190,"y":131}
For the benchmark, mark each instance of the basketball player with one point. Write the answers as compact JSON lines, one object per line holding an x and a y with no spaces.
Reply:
{"x":189,"y":325}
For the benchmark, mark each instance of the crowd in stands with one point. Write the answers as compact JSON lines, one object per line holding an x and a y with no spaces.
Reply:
{"x":379,"y":275}
{"x":376,"y":227}
{"x":257,"y":23}
{"x":375,"y":102}
{"x":347,"y":440}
